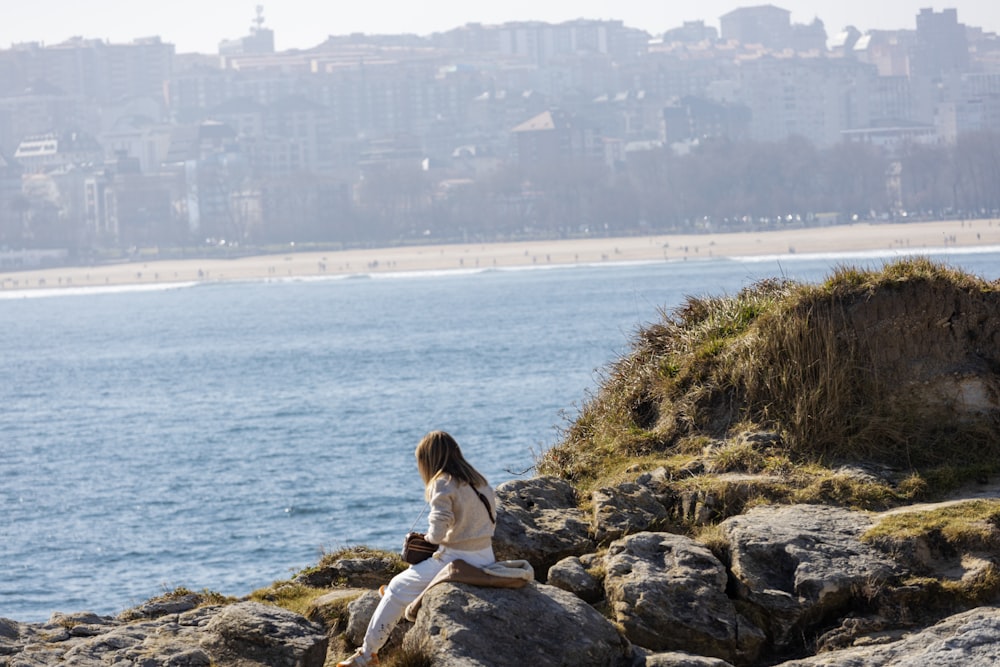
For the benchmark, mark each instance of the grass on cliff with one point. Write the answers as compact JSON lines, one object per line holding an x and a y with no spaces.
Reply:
{"x":296,"y":595}
{"x":970,"y":525}
{"x":779,"y":357}
{"x":953,"y":545}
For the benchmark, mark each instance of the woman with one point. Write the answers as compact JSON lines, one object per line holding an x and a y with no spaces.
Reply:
{"x":461,"y":521}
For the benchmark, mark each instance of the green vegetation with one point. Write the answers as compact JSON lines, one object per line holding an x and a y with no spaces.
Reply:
{"x":974,"y":524}
{"x":793,"y":380}
{"x":299,"y":593}
{"x":331,"y":558}
{"x":289,"y":595}
{"x":954,"y":542}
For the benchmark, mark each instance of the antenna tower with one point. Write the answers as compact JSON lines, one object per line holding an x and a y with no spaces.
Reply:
{"x":258,"y":22}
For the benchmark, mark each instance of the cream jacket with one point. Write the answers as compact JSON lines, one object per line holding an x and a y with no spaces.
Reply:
{"x":458,"y":518}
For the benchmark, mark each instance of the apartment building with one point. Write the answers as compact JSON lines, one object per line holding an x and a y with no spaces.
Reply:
{"x":815,"y":98}
{"x":100,"y":72}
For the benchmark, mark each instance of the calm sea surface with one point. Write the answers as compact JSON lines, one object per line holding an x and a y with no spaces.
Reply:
{"x":222,"y":436}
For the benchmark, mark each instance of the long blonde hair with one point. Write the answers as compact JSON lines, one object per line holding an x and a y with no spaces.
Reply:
{"x":439,"y":453}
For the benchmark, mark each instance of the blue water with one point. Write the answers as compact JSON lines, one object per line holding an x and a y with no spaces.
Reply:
{"x":222,"y":436}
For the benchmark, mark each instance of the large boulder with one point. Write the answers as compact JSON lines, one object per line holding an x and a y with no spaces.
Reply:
{"x":802,"y":565}
{"x":246,"y":634}
{"x":538,"y":521}
{"x":250,"y":633}
{"x":669,"y":594}
{"x":539,"y":625}
{"x":969,"y":639}
{"x":626,"y":508}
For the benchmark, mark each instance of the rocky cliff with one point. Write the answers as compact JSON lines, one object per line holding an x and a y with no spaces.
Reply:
{"x":797,"y":475}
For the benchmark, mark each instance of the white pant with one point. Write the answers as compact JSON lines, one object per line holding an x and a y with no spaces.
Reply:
{"x":407,"y":586}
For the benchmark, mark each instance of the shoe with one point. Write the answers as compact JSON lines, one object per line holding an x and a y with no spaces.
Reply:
{"x":359,"y":660}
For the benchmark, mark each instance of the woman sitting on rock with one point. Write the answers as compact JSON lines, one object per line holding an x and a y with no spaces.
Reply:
{"x":461,"y":522}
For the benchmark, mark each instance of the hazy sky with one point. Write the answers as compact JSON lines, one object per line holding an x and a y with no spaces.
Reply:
{"x":199,"y":25}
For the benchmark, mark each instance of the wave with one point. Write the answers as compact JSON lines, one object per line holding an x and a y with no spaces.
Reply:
{"x":882,"y":253}
{"x":46,"y":292}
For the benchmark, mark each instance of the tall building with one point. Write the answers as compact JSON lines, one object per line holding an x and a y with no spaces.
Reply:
{"x":815,"y":98}
{"x":539,"y":42}
{"x":766,"y":25}
{"x":941,"y":46}
{"x":100,"y":72}
{"x":771,"y":27}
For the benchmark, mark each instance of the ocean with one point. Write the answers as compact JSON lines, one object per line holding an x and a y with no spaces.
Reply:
{"x":223,"y":436}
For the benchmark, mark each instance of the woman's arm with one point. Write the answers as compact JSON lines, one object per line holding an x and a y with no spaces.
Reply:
{"x":442,"y":515}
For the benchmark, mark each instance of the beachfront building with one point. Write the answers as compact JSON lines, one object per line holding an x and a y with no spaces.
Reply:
{"x":52,"y":152}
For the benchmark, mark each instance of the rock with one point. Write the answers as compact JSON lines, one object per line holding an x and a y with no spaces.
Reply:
{"x":9,"y":629}
{"x":539,"y":625}
{"x":570,"y":574}
{"x":726,"y":496}
{"x":331,"y":610}
{"x":624,"y":509}
{"x":370,"y":571}
{"x":146,"y":643}
{"x":79,"y":618}
{"x":538,"y":521}
{"x":669,"y":594}
{"x":161,"y":606}
{"x":239,"y":635}
{"x":679,"y":659}
{"x":87,"y":630}
{"x":254,"y":633}
{"x":802,"y":565}
{"x":359,"y":612}
{"x":969,"y":639}
{"x":866,"y":473}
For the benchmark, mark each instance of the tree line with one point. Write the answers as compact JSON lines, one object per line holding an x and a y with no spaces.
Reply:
{"x":719,"y":185}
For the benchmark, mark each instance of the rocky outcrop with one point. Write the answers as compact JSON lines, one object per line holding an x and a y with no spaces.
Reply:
{"x":969,"y":639}
{"x":802,"y":565}
{"x":778,"y":582}
{"x":245,"y":634}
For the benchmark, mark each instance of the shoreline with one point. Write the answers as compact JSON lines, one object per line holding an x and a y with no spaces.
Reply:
{"x":859,"y":237}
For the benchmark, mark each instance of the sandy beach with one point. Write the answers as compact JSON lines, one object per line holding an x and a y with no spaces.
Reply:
{"x":910,"y":237}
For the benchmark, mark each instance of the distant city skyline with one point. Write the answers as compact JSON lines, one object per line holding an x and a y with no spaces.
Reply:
{"x":200,"y":26}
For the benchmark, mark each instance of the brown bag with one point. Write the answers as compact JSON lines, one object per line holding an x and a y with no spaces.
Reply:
{"x":416,"y":548}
